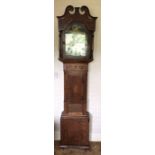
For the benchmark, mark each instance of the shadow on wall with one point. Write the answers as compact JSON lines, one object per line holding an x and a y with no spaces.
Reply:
{"x":56,"y":127}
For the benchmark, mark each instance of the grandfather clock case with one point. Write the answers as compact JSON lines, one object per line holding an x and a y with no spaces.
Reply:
{"x":76,"y":33}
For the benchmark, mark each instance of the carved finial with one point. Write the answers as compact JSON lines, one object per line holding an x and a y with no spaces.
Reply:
{"x":69,"y":10}
{"x":85,"y":10}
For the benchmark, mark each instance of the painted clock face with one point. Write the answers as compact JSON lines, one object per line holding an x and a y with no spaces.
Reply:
{"x":76,"y":43}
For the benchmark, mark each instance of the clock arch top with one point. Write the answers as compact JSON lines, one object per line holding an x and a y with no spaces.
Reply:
{"x":76,"y":14}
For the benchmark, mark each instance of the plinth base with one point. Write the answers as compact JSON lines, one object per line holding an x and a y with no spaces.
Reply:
{"x":87,"y":147}
{"x":74,"y":131}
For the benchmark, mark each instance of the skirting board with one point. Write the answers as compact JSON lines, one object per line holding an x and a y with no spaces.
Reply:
{"x":93,"y":136}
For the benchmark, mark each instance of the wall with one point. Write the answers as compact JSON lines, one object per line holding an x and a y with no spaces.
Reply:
{"x":94,"y":77}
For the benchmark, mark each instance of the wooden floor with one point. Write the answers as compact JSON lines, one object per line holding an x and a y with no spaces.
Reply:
{"x":95,"y":149}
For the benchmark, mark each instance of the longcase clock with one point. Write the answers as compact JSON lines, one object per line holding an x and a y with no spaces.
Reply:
{"x":76,"y":34}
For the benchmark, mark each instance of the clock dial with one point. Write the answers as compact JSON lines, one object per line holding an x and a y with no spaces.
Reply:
{"x":76,"y":41}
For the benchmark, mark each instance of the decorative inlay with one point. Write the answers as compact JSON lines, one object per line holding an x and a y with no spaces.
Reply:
{"x":75,"y":66}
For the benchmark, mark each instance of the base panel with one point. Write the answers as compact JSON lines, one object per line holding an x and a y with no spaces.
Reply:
{"x":74,"y":131}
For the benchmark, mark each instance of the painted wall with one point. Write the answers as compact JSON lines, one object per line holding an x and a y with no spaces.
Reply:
{"x":94,"y":77}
